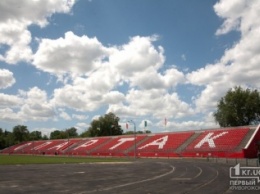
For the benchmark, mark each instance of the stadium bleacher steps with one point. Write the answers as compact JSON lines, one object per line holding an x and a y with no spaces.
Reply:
{"x":138,"y":143}
{"x":101,"y":145}
{"x":74,"y":145}
{"x":187,"y":142}
{"x":245,"y":139}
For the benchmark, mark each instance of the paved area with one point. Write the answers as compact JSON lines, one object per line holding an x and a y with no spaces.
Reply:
{"x":144,"y":176}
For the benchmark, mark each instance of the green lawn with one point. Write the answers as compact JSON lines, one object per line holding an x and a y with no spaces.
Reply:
{"x":29,"y":159}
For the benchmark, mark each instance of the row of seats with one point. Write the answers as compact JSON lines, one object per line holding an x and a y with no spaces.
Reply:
{"x":222,"y":140}
{"x":144,"y":145}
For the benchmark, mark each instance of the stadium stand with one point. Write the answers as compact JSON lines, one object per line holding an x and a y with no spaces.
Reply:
{"x":216,"y":142}
{"x":163,"y":145}
{"x":236,"y":142}
{"x":85,"y":146}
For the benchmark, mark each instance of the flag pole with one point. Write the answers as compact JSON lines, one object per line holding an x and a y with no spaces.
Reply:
{"x":165,"y":123}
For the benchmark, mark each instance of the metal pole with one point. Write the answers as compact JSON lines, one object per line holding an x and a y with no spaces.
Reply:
{"x":134,"y":137}
{"x":33,"y":145}
{"x":68,"y":143}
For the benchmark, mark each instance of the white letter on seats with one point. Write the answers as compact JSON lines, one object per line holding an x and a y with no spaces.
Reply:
{"x":58,"y":146}
{"x":210,"y":139}
{"x":88,"y":143}
{"x":158,"y":142}
{"x":42,"y":145}
{"x":22,"y":146}
{"x":121,"y":141}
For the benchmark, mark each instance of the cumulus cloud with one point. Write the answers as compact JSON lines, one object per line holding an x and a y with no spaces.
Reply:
{"x":239,"y":64}
{"x":7,"y":100}
{"x":9,"y":115}
{"x":135,"y":63}
{"x":36,"y":105}
{"x":80,"y":116}
{"x":14,"y":22}
{"x":71,"y":54}
{"x":127,"y":78}
{"x":136,"y":56}
{"x":6,"y":78}
{"x":27,"y":105}
{"x":148,"y":102}
{"x":65,"y":116}
{"x":81,"y":127}
{"x":231,"y":12}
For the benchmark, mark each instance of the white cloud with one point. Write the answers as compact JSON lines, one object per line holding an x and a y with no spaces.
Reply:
{"x":7,"y":100}
{"x":173,"y":77}
{"x":16,"y":16}
{"x":241,"y":15}
{"x":80,"y":116}
{"x":240,"y":64}
{"x":15,"y":34}
{"x":26,"y":106}
{"x":148,"y":79}
{"x":36,"y":105}
{"x":81,"y":127}
{"x":6,"y":78}
{"x":92,"y":73}
{"x":231,"y":11}
{"x":71,"y":54}
{"x":137,"y":56}
{"x":8,"y":115}
{"x":185,"y":125}
{"x":65,"y":116}
{"x":208,"y":74}
{"x":148,"y":102}
{"x":77,"y":97}
{"x":29,"y":12}
{"x":135,"y":63}
{"x":113,"y":97}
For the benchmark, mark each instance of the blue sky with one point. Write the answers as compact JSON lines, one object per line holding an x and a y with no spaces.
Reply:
{"x":65,"y":63}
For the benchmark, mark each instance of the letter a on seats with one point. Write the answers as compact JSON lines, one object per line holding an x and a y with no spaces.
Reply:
{"x":158,"y":142}
{"x":210,"y":139}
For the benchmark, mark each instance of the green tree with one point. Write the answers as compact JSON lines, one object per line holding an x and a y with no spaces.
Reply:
{"x":85,"y":134}
{"x":9,"y":138}
{"x":57,"y":134}
{"x":20,"y":133}
{"x":67,"y":133}
{"x":71,"y":132}
{"x":35,"y":135}
{"x":2,"y":139}
{"x":238,"y":108}
{"x":45,"y":137}
{"x":107,"y":125}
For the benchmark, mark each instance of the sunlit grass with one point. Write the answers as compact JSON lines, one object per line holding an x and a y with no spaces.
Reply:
{"x":29,"y":159}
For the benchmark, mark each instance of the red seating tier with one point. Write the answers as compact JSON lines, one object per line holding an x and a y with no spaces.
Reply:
{"x":222,"y":142}
{"x":218,"y":140}
{"x":164,"y":142}
{"x":119,"y":144}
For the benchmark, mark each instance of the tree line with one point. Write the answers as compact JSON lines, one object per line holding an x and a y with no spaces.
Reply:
{"x":20,"y":133}
{"x":107,"y":125}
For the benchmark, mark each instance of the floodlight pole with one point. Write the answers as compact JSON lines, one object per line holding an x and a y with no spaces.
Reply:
{"x":131,"y":121}
{"x":33,"y":144}
{"x":68,"y":142}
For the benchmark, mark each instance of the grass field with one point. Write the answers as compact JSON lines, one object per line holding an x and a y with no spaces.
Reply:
{"x":29,"y":159}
